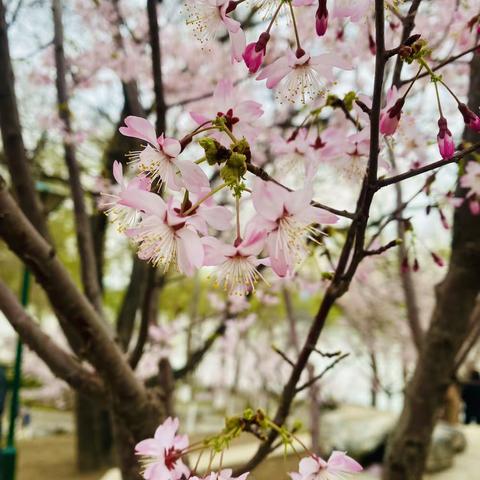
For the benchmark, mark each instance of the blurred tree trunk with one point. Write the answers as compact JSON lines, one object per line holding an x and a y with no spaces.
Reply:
{"x":93,"y":434}
{"x":450,"y":327}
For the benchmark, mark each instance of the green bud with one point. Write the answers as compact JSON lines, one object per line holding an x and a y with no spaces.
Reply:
{"x":215,"y":153}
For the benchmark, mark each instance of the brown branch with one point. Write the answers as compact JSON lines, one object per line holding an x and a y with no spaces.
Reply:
{"x":83,"y":227}
{"x":154,"y":31}
{"x":440,"y":65}
{"x":197,"y":355}
{"x":149,"y":312}
{"x":427,"y":168}
{"x":322,"y":374}
{"x":61,"y":363}
{"x":283,"y":355}
{"x":100,"y":350}
{"x":354,"y":241}
{"x":382,"y":249}
{"x":11,"y":130}
{"x":261,"y":173}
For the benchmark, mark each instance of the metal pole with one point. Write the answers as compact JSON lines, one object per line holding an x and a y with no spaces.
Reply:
{"x":9,"y":453}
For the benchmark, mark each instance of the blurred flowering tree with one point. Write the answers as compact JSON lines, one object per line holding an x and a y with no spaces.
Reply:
{"x":264,"y":192}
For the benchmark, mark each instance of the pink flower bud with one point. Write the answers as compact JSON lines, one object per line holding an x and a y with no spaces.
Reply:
{"x":444,"y":139}
{"x":474,"y":206}
{"x":437,"y":259}
{"x":416,"y":265}
{"x":255,"y":53}
{"x":405,"y":267}
{"x":321,"y":18}
{"x":471,"y":119}
{"x":389,"y":120}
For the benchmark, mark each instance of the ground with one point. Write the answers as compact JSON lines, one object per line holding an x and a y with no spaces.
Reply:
{"x":53,"y":458}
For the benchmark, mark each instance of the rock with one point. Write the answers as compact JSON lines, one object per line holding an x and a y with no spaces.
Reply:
{"x":447,"y":441}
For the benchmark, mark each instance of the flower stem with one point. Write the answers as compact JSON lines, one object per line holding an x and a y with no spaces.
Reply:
{"x":237,"y":210}
{"x":438,"y":99}
{"x":297,"y":37}
{"x":275,"y":15}
{"x":206,"y":197}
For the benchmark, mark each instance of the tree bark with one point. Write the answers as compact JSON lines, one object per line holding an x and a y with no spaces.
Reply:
{"x":450,"y":326}
{"x":11,"y":130}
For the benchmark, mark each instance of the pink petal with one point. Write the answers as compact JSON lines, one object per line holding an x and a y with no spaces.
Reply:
{"x":138,"y":127}
{"x":341,"y":462}
{"x":194,"y":178}
{"x":144,"y":201}
{"x":190,"y":252}
{"x":171,"y":147}
{"x":238,"y":42}
{"x":275,"y":72}
{"x":268,"y":199}
{"x":198,"y":118}
{"x":118,"y":172}
{"x":217,"y":217}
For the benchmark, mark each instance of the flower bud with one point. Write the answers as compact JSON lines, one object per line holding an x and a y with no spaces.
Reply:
{"x":255,"y":53}
{"x":446,"y":146}
{"x":321,"y":18}
{"x":471,"y":119}
{"x":390,"y":119}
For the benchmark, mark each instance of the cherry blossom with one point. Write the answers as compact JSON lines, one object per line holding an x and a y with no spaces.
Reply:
{"x":236,"y":265}
{"x":164,"y":236}
{"x":471,"y":180}
{"x":123,"y":216}
{"x":288,"y":218}
{"x":160,"y":159}
{"x":315,"y":468}
{"x":161,"y":455}
{"x":445,"y":142}
{"x":209,"y":17}
{"x":390,"y":115}
{"x":239,"y":114}
{"x":353,"y":9}
{"x":300,"y":75}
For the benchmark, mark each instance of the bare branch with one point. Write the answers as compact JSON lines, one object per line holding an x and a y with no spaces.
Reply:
{"x":261,"y":173}
{"x":83,"y":227}
{"x":322,"y":374}
{"x":427,"y":168}
{"x":61,"y":363}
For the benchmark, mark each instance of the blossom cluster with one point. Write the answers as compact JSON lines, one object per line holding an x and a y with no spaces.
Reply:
{"x":298,"y":73}
{"x":161,"y":458}
{"x":168,"y":209}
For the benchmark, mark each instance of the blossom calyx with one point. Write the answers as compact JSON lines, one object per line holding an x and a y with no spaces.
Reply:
{"x":215,"y":152}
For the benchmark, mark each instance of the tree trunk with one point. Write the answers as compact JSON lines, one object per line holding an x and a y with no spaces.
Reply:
{"x":127,"y":435}
{"x":93,"y":434}
{"x":450,"y":326}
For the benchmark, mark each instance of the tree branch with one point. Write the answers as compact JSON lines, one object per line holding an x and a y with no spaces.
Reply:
{"x":15,"y":153}
{"x":62,"y":364}
{"x":261,"y":173}
{"x":427,"y":168}
{"x":83,"y":227}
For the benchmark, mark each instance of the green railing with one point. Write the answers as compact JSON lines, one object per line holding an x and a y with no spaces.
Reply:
{"x":8,"y":455}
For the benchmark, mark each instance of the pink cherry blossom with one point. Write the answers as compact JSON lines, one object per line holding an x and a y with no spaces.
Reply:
{"x":288,"y":218}
{"x":338,"y":465}
{"x":163,"y":236}
{"x":445,"y":142}
{"x":255,"y":53}
{"x":471,"y":119}
{"x":321,"y":18}
{"x":209,"y":18}
{"x":471,"y":178}
{"x":300,"y":75}
{"x":160,"y":159}
{"x":161,"y":455}
{"x":236,"y":265}
{"x":353,"y":9}
{"x":390,"y":115}
{"x":123,"y":216}
{"x":240,"y":115}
